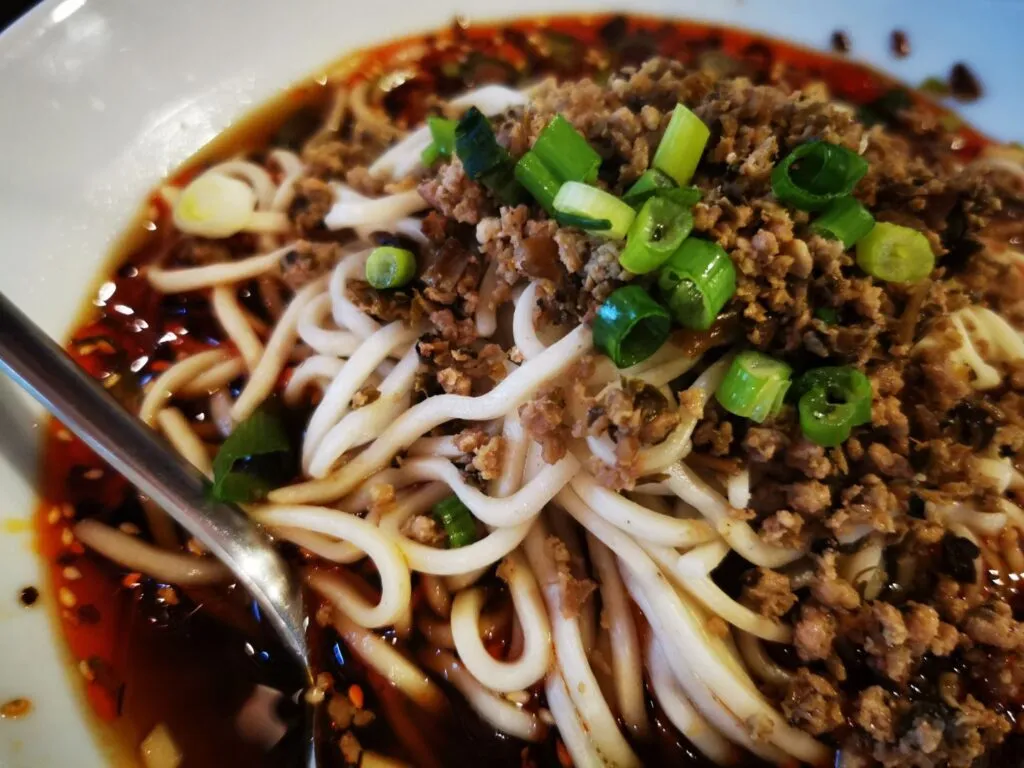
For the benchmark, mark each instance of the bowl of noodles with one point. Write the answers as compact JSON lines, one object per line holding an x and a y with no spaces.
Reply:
{"x":627,"y":390}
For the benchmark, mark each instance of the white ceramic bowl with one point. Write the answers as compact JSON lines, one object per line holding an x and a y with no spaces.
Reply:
{"x":100,"y":98}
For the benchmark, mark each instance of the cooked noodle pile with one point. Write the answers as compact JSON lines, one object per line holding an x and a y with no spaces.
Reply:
{"x":606,"y":540}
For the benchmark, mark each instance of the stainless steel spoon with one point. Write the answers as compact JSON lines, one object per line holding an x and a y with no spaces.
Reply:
{"x":43,"y":369}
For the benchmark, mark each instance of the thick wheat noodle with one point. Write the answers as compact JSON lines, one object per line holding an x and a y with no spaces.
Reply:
{"x":279,"y":347}
{"x":346,"y":314}
{"x":597,"y":717}
{"x":681,"y":712}
{"x":168,"y":383}
{"x":692,"y":572}
{"x":524,"y":332}
{"x":379,"y":655}
{"x":337,"y":399}
{"x":709,"y":680}
{"x":292,"y":169}
{"x":405,"y":156}
{"x":486,"y":309}
{"x":459,"y":581}
{"x":443,"y":447}
{"x":496,"y":710}
{"x":512,"y":392}
{"x":352,"y":210}
{"x":403,"y":625}
{"x":638,"y":520}
{"x":573,"y":733}
{"x":516,"y":442}
{"x":1014,"y":514}
{"x":740,"y":536}
{"x":865,"y":569}
{"x":673,"y":448}
{"x":367,"y":115}
{"x":450,"y":562}
{"x":215,"y":378}
{"x":194,"y":278}
{"x":335,"y":550}
{"x":252,"y":174}
{"x":521,"y":507}
{"x":318,"y":370}
{"x":179,"y":433}
{"x":533,"y":663}
{"x":134,"y":554}
{"x":325,"y":341}
{"x":737,"y":489}
{"x":759,"y":662}
{"x":228,"y":311}
{"x":627,"y":662}
{"x":437,"y":632}
{"x":396,"y":589}
{"x":436,"y":595}
{"x":984,"y":523}
{"x":564,"y":528}
{"x":349,"y":429}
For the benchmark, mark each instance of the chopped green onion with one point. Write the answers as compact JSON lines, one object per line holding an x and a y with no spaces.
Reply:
{"x":682,"y":145}
{"x":582,"y":222}
{"x":815,"y":174}
{"x":654,"y":183}
{"x":390,"y":267}
{"x":832,"y":401}
{"x":457,"y":521}
{"x":430,"y":155}
{"x":827,"y":315}
{"x":501,"y":181}
{"x":476,"y":146}
{"x":895,"y":254}
{"x":566,"y":153}
{"x":262,"y":434}
{"x":657,"y":232}
{"x":579,"y":199}
{"x":538,"y":179}
{"x":442,"y":131}
{"x":696,"y":282}
{"x":484,"y":160}
{"x":845,"y":220}
{"x":755,"y":386}
{"x":630,"y":326}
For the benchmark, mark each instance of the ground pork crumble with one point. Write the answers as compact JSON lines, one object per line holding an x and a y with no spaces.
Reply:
{"x":911,"y":661}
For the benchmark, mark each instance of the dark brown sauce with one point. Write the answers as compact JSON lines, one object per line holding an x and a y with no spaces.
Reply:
{"x":190,"y":661}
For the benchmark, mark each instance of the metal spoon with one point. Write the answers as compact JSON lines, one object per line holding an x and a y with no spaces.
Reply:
{"x":43,"y":369}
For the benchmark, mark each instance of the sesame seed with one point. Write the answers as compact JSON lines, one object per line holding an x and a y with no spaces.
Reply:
{"x":67,"y":597}
{"x":130,"y":528}
{"x":67,"y":538}
{"x":71,"y":573}
{"x":53,"y":516}
{"x":64,"y":436}
{"x":86,"y":669}
{"x":93,"y":474}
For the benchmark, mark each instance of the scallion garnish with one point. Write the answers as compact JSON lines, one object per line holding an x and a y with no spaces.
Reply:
{"x":457,"y":521}
{"x":755,"y":386}
{"x":630,"y":326}
{"x":577,"y":199}
{"x":390,"y":267}
{"x":538,"y":179}
{"x":895,"y":254}
{"x":485,"y":160}
{"x":262,"y":434}
{"x":442,"y":131}
{"x":832,"y":401}
{"x":827,"y":315}
{"x":696,"y":282}
{"x":845,"y":220}
{"x":566,"y":153}
{"x":582,"y":222}
{"x":815,"y":174}
{"x":682,"y":145}
{"x":654,"y":183}
{"x":657,"y":231}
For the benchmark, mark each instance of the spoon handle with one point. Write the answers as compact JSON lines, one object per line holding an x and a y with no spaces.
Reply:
{"x":43,"y":369}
